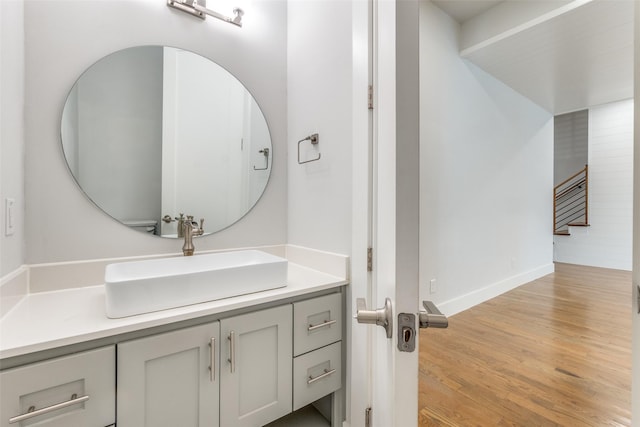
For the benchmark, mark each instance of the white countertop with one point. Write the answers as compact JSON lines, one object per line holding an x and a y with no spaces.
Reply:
{"x":46,"y":320}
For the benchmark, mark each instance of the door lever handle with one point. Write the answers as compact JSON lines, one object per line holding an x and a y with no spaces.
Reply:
{"x":432,"y":317}
{"x":381,"y":317}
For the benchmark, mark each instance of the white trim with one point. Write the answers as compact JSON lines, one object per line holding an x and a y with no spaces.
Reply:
{"x":635,"y":276}
{"x":523,"y":27}
{"x":13,"y":288}
{"x":464,"y":302}
{"x":358,"y":354}
{"x":78,"y":274}
{"x":13,"y":274}
{"x":275,"y":249}
{"x":383,"y":238}
{"x":57,"y":276}
{"x":327,"y":262}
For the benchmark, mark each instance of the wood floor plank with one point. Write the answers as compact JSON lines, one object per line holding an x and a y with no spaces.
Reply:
{"x":553,"y":352}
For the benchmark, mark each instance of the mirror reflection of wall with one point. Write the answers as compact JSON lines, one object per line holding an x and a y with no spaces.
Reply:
{"x":112,"y":133}
{"x":154,"y":131}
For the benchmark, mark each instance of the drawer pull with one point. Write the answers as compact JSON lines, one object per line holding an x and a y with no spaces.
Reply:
{"x":34,"y":413}
{"x":321,"y":376}
{"x":212,"y":359}
{"x":232,"y":351}
{"x":321,"y":325}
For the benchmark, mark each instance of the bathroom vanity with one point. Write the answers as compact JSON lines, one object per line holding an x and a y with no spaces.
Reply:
{"x":269,"y":357}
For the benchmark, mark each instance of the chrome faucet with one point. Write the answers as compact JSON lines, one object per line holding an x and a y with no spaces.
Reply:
{"x":191,"y":229}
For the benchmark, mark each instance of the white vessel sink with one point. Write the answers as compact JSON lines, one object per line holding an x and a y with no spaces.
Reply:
{"x":143,"y":286}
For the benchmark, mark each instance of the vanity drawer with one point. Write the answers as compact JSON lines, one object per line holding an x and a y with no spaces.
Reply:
{"x":316,"y":374}
{"x":76,"y":390}
{"x":316,"y":323}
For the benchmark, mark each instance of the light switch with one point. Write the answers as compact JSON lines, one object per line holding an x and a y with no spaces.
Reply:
{"x":9,"y":217}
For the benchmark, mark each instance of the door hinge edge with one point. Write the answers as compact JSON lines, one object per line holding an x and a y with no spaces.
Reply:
{"x":370,"y":97}
{"x":367,"y":417}
{"x":369,"y":259}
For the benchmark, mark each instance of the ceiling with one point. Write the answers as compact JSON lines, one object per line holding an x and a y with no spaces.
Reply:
{"x":463,"y":10}
{"x":573,"y":60}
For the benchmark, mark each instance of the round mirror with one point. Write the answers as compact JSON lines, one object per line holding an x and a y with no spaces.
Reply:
{"x":154,"y":134}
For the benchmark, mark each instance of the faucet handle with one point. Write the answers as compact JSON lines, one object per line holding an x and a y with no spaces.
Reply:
{"x":201,"y":224}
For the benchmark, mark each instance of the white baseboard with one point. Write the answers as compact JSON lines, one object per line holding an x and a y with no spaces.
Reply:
{"x":464,"y":302}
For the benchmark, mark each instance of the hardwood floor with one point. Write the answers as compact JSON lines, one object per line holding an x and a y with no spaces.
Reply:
{"x":553,"y":352}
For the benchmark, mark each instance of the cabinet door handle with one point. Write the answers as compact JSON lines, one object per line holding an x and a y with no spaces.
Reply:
{"x":321,"y":376}
{"x":232,"y":351}
{"x":321,"y":325}
{"x":32,"y":412}
{"x":212,"y":359}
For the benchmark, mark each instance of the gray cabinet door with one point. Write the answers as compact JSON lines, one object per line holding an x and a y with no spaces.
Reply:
{"x":256,"y":384}
{"x":166,"y":379}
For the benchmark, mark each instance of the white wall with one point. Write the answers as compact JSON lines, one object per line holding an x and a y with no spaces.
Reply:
{"x":327,"y":76}
{"x":62,"y":39}
{"x":319,"y":100}
{"x":12,"y":253}
{"x":570,"y":144}
{"x":608,"y":241}
{"x":486,"y":176}
{"x":118,"y":117}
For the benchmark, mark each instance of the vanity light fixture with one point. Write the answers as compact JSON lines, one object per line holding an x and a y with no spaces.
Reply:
{"x":199,"y":8}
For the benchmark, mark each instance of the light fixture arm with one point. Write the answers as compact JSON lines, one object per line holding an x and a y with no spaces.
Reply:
{"x":195,"y":8}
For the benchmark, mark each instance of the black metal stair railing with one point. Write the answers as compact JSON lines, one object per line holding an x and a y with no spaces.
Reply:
{"x":570,"y":202}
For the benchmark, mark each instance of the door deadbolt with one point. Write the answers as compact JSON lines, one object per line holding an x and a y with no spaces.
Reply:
{"x":406,"y":332}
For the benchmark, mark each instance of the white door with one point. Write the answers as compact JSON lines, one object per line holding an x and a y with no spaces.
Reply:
{"x":204,"y":109}
{"x":382,"y":377}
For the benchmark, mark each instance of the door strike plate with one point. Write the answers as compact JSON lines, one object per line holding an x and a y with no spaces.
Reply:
{"x":407,"y":332}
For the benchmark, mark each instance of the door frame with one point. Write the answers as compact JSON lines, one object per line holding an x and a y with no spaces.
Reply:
{"x":385,"y":208}
{"x":635,"y":350}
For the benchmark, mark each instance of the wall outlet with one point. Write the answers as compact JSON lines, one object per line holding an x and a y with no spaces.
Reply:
{"x":9,"y":216}
{"x":433,"y":287}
